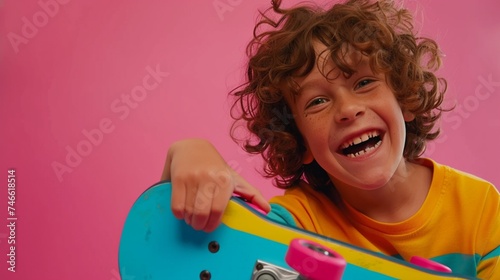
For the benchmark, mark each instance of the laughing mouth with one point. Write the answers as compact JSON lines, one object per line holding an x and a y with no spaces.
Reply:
{"x":362,"y":144}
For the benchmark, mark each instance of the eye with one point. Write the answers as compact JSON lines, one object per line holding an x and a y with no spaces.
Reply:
{"x":316,"y":101}
{"x":363,"y":83}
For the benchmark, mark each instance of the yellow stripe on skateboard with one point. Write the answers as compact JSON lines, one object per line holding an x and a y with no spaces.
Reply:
{"x":240,"y":218}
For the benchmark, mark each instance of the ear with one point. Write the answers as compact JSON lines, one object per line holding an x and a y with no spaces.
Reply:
{"x":307,"y":157}
{"x":408,"y":116}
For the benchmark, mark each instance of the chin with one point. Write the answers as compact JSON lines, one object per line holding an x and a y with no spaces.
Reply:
{"x":374,"y":184}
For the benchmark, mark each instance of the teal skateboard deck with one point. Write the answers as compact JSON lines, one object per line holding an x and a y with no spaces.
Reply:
{"x":247,"y":245}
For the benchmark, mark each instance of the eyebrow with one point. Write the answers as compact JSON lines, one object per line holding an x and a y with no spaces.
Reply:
{"x":311,"y":84}
{"x":363,"y":66}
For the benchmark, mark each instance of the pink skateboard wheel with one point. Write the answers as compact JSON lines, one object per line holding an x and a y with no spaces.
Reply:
{"x":314,"y":261}
{"x":428,"y":264}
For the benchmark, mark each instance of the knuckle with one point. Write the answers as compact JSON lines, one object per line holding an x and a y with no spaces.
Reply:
{"x":181,"y":176}
{"x":201,"y":206}
{"x":222,"y":177}
{"x":208,"y":190}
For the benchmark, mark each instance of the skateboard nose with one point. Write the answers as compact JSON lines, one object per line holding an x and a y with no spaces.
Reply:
{"x":432,"y":265}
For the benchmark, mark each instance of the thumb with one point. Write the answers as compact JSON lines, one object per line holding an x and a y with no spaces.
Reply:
{"x":252,"y":194}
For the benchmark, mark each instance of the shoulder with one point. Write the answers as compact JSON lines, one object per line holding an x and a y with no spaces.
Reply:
{"x":478,"y":199}
{"x":461,"y":194}
{"x":304,"y":204}
{"x":301,"y":194}
{"x":458,"y":180}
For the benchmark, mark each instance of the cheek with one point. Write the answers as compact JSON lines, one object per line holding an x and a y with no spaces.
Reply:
{"x":399,"y":128}
{"x":311,"y":137}
{"x":314,"y":126}
{"x":408,"y":116}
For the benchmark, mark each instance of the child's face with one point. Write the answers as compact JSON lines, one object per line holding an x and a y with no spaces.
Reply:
{"x":333,"y":115}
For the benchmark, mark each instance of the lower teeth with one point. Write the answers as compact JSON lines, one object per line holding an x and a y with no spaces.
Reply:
{"x":362,"y":152}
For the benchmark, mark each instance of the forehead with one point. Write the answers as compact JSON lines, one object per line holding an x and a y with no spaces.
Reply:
{"x":345,"y":57}
{"x":350,"y":62}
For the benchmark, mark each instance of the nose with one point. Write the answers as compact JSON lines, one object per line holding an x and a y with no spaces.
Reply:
{"x":348,"y":108}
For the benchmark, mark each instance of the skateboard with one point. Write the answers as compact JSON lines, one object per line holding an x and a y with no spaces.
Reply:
{"x":247,"y":245}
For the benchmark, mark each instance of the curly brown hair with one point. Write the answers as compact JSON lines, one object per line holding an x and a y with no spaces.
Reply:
{"x":282,"y":50}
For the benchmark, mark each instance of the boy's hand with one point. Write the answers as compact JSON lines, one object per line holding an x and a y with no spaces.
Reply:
{"x":203,"y":183}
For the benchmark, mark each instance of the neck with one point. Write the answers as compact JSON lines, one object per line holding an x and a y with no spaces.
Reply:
{"x":399,"y":199}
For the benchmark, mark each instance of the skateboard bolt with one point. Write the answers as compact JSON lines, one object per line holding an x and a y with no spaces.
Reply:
{"x":259,"y":266}
{"x":213,"y":247}
{"x":205,"y":275}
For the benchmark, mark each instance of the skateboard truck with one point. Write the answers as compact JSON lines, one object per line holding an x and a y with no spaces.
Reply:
{"x":311,"y":260}
{"x":266,"y":271}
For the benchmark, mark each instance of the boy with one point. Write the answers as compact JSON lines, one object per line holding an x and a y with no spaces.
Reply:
{"x":364,"y":99}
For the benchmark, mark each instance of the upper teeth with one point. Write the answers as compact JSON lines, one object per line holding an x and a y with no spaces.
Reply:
{"x":362,"y":138}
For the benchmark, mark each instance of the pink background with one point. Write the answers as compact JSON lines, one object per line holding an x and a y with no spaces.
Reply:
{"x":65,"y":68}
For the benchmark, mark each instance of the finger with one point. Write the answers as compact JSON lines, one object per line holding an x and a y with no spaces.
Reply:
{"x":188,"y":218}
{"x":202,"y":205}
{"x":252,"y":194}
{"x":219,"y":204}
{"x":191,"y":190}
{"x":224,"y":181}
{"x":178,"y":200}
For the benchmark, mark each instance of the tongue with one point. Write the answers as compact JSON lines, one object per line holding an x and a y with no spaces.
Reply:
{"x":361,"y":146}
